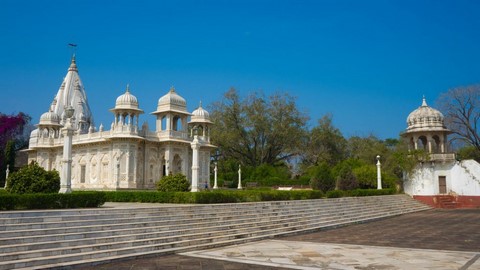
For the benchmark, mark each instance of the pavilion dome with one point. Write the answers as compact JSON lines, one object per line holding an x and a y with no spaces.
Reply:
{"x":172,"y":98}
{"x":126,"y":101}
{"x":50,"y":118}
{"x":200,"y":115}
{"x":172,"y":102}
{"x":425,"y":118}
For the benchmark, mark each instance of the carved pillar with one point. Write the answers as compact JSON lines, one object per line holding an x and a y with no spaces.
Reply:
{"x":66,"y":178}
{"x":195,"y":147}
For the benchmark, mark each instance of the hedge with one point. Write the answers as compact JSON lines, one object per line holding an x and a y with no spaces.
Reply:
{"x":51,"y":201}
{"x":216,"y":196}
{"x":360,"y":192}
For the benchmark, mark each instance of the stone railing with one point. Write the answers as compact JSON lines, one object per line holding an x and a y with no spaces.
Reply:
{"x":89,"y":136}
{"x":442,"y":157}
{"x":172,"y":134}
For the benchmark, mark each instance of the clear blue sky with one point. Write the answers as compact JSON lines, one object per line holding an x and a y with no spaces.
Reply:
{"x":366,"y":62}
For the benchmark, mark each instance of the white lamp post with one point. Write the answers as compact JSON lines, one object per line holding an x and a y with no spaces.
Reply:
{"x":379,"y":173}
{"x":67,"y":131}
{"x":215,"y":186}
{"x":239,"y":177}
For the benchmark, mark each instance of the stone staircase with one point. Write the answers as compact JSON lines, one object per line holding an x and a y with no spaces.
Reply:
{"x":63,"y":239}
{"x":448,"y":202}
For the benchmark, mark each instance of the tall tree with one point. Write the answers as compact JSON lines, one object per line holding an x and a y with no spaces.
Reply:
{"x":257,"y":129}
{"x":461,"y":108}
{"x":325,"y":143}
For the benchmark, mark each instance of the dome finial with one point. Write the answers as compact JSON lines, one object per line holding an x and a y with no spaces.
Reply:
{"x":73,"y":64}
{"x":128,"y":88}
{"x":200,"y":105}
{"x":424,"y":102}
{"x":172,"y":89}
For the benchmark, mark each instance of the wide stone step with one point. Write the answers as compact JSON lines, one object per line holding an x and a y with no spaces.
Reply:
{"x":183,"y":245}
{"x":159,"y":212}
{"x":31,"y":228}
{"x":59,"y":255}
{"x":168,"y":229}
{"x":198,"y":228}
{"x":66,"y":238}
{"x":18,"y":215}
{"x":112,"y":227}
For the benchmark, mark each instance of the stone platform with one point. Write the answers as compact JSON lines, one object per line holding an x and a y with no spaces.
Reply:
{"x":432,"y":239}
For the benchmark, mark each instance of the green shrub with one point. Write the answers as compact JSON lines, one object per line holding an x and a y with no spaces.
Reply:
{"x":173,"y":183}
{"x":51,"y":201}
{"x":346,"y":179}
{"x":33,"y":179}
{"x":366,"y":176}
{"x":369,"y":192}
{"x":212,"y":196}
{"x":335,"y":194}
{"x":322,"y":178}
{"x":8,"y":201}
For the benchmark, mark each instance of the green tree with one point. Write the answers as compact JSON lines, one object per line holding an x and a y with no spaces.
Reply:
{"x":346,"y":179}
{"x":407,"y":160}
{"x":468,"y":152}
{"x":173,"y":183}
{"x":366,"y":176}
{"x":266,"y":171}
{"x":325,"y":143}
{"x":257,"y":130}
{"x":10,"y":155}
{"x":366,"y":148}
{"x":33,"y":179}
{"x":321,"y":177}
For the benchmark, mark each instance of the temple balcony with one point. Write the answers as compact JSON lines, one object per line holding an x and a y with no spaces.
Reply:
{"x":172,"y":134}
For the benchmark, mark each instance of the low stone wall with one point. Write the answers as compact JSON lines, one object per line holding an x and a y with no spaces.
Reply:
{"x":449,"y":201}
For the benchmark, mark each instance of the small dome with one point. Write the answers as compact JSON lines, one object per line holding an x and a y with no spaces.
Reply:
{"x":424,"y":118}
{"x":172,"y":98}
{"x":200,"y":115}
{"x":126,"y":101}
{"x":172,"y":102}
{"x":50,"y":118}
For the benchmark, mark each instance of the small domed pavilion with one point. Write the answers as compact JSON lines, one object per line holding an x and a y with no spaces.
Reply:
{"x":426,"y":130}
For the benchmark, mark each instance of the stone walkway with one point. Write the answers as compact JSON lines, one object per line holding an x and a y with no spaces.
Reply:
{"x":434,"y":239}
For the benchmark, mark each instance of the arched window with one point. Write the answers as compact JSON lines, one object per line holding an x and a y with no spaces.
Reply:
{"x":436,"y":144}
{"x":177,"y":123}
{"x":422,"y":143}
{"x":164,"y":123}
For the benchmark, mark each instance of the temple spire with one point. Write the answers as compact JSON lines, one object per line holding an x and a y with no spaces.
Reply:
{"x":73,"y":64}
{"x":424,"y":102}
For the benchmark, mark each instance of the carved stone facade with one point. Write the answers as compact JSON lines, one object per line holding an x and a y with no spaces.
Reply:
{"x":126,"y":156}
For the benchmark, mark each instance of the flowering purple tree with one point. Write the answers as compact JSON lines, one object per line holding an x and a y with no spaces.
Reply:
{"x":12,"y":128}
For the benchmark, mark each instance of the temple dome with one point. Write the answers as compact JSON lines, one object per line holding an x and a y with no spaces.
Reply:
{"x":425,"y":118}
{"x":200,"y":115}
{"x":172,"y":98}
{"x":172,"y":102}
{"x":126,"y":101}
{"x":50,"y":119}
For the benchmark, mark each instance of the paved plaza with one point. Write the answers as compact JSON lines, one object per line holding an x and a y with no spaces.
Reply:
{"x":433,"y":239}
